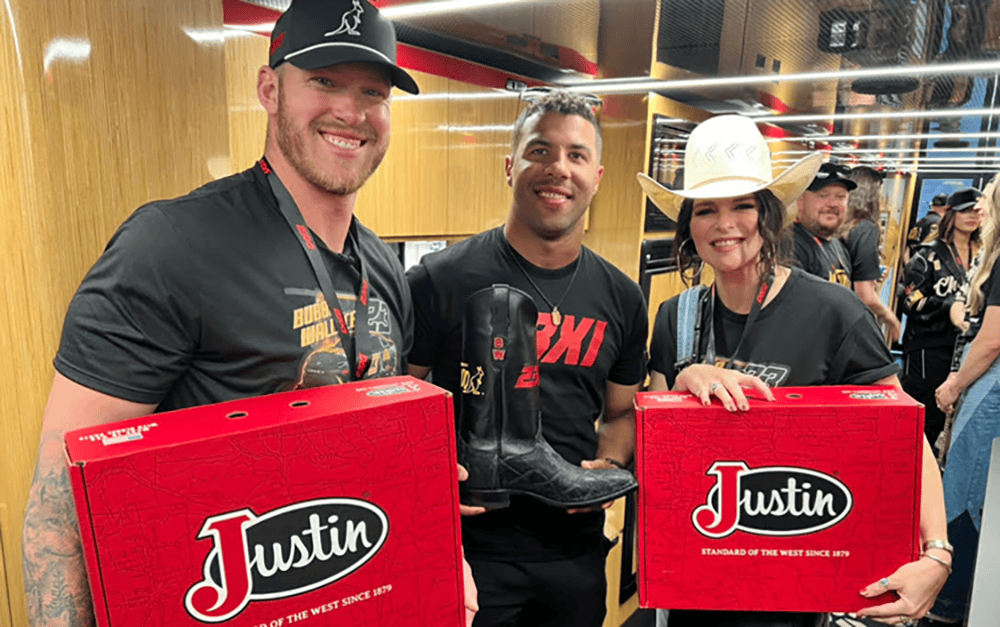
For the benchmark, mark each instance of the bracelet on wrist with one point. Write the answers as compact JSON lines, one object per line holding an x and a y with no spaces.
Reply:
{"x":938,"y":560}
{"x":939,"y":544}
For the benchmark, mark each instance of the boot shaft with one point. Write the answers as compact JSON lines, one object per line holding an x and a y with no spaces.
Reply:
{"x":499,"y":365}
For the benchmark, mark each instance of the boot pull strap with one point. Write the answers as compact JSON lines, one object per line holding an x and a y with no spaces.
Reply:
{"x":501,"y":322}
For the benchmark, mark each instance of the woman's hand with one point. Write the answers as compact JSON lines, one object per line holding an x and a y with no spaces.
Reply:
{"x":917,"y":584}
{"x":947,"y":393}
{"x":705,"y":381}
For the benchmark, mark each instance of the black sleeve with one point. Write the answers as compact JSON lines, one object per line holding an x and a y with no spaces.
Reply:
{"x":863,"y":248}
{"x":630,"y":368}
{"x":133,"y":325}
{"x":426,"y":317}
{"x":920,"y":300}
{"x":803,"y":254}
{"x":663,"y":346}
{"x":406,"y":307}
{"x":863,"y":356}
{"x":993,"y":295}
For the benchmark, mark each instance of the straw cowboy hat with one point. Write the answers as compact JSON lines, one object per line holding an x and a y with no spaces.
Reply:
{"x":727,"y":157}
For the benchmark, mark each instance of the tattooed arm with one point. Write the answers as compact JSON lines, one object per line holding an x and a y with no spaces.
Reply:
{"x":54,"y":577}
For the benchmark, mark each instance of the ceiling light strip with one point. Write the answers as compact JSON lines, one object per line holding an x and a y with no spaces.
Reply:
{"x":643,"y":84}
{"x":900,"y":137}
{"x":881,"y":115}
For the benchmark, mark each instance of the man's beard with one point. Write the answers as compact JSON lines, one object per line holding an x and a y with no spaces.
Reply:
{"x":292,"y":145}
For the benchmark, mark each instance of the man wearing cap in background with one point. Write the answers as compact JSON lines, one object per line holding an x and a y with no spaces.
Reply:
{"x":194,"y":299}
{"x":822,"y":208}
{"x":922,"y":229}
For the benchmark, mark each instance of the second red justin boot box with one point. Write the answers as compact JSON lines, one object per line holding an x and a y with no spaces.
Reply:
{"x":795,"y":505}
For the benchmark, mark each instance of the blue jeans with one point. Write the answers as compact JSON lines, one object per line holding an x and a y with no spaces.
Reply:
{"x":953,"y":601}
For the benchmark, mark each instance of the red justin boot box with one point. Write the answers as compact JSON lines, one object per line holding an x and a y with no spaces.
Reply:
{"x":795,"y":505}
{"x":327,"y":506}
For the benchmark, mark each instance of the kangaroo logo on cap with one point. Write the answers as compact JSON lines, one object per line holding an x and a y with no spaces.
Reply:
{"x":350,"y":22}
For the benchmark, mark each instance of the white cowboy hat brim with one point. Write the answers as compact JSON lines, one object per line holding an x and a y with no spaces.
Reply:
{"x":786,"y":187}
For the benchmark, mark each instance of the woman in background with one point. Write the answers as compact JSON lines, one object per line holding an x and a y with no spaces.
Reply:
{"x":933,"y":279}
{"x":762,"y":315}
{"x":978,"y":420}
{"x":862,"y":237}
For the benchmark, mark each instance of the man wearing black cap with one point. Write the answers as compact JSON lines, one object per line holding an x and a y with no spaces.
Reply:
{"x":245,"y":286}
{"x":922,"y":229}
{"x":822,"y":208}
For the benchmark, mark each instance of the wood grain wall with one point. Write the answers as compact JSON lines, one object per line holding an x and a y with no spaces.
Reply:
{"x":104,"y":106}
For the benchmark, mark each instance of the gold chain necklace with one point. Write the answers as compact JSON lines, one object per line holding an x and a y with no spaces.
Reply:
{"x":556,"y":314}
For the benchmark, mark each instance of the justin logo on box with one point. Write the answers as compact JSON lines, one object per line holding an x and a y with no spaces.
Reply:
{"x":285,"y":552}
{"x":770,"y":501}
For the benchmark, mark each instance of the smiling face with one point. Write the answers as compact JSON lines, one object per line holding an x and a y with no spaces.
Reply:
{"x":554,"y":171}
{"x":332,"y":124}
{"x":822,"y":212}
{"x":726,"y":234}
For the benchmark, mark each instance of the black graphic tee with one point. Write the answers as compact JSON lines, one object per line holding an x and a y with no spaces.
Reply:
{"x":863,"y":251}
{"x":602,"y":338}
{"x":827,"y":259}
{"x":812,"y":333}
{"x":210,"y":297}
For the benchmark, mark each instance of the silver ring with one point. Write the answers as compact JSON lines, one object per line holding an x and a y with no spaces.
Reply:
{"x":715,"y":386}
{"x":884,"y":581}
{"x":908,"y":622}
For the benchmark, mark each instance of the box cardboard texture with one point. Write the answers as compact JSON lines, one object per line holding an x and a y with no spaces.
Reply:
{"x":819,"y":498}
{"x":327,"y":506}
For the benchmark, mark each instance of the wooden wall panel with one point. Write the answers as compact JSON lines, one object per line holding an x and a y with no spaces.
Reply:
{"x":478,"y":141}
{"x":105,"y":105}
{"x":616,"y":213}
{"x":408,"y":195}
{"x":245,"y":54}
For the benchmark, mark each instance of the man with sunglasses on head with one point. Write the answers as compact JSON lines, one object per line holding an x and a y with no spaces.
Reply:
{"x":822,"y":208}
{"x":200,"y":299}
{"x":537,"y":564}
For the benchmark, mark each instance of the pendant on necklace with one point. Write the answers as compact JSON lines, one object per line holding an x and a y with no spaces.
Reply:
{"x":556,"y":316}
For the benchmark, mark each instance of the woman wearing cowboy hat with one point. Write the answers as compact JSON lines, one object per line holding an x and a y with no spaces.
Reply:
{"x":765,"y":317}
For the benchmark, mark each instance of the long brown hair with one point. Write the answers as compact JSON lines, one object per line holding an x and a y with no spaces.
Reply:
{"x":946,"y":231}
{"x":865,"y":201}
{"x":990,"y":248}
{"x":770,"y":223}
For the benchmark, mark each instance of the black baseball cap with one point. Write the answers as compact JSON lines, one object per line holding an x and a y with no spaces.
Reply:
{"x":313,"y":34}
{"x":832,"y":173}
{"x":964,"y":199}
{"x":941,"y":200}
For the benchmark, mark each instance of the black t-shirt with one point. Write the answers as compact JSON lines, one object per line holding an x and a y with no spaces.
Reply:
{"x":991,"y":297}
{"x":863,"y":251}
{"x":825,"y":258}
{"x":602,"y":338}
{"x":812,"y":333}
{"x":991,"y":287}
{"x":210,"y":297}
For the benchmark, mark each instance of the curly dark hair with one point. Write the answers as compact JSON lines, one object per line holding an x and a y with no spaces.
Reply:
{"x":557,"y":101}
{"x":770,"y":225}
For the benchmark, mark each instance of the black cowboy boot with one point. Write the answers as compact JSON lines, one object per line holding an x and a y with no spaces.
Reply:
{"x":500,"y":429}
